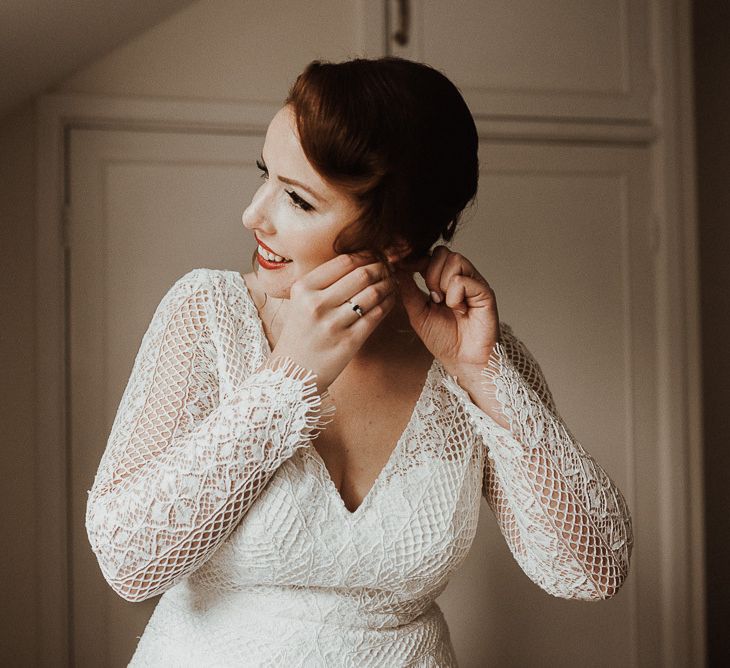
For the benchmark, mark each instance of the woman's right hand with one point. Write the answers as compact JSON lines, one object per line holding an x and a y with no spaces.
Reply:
{"x":322,"y":332}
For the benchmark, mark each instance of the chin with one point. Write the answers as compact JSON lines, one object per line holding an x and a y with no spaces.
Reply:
{"x":278,"y":294}
{"x":273,"y":288}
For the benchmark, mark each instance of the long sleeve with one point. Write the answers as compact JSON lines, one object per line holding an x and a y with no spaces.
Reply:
{"x":565,"y":522}
{"x":182,"y":467}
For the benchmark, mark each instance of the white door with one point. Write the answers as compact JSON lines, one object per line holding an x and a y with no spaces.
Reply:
{"x":146,"y":208}
{"x":561,"y":234}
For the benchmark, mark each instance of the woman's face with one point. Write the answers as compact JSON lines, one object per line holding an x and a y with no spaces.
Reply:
{"x":298,"y":221}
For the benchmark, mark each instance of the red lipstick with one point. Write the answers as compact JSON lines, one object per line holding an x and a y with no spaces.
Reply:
{"x":269,"y":264}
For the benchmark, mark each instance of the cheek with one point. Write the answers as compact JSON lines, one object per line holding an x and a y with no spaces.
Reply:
{"x":323,"y":245}
{"x":313,"y":238}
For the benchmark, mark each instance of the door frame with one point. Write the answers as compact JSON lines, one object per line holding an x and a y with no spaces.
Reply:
{"x":680,"y":484}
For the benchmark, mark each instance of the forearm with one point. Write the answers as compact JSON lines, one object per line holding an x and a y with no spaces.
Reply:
{"x":565,"y":521}
{"x":481,"y":389}
{"x":150,"y":528}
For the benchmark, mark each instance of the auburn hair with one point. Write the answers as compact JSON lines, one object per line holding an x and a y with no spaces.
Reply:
{"x":398,"y":137}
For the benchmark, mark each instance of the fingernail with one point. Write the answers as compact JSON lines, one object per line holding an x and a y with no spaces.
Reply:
{"x":435,"y":296}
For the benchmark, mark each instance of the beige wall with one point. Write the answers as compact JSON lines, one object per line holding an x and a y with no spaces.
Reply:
{"x":712,"y":113}
{"x":225,"y":50}
{"x":196,"y":54}
{"x":17,"y":259}
{"x":213,"y":50}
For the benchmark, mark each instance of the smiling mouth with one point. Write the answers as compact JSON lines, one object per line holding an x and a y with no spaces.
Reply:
{"x":272,"y":257}
{"x":268,"y":254}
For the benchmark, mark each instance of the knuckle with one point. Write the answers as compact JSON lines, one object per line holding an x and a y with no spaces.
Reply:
{"x":316,"y":305}
{"x":363,"y":274}
{"x":380,"y":290}
{"x":330,"y":328}
{"x":297,"y":288}
{"x":454,"y":257}
{"x":310,"y":301}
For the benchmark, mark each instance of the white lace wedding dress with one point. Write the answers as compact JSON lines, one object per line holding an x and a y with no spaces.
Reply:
{"x":211,"y":493}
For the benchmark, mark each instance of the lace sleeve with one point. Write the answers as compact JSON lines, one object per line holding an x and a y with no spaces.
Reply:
{"x":565,"y":522}
{"x":180,"y":468}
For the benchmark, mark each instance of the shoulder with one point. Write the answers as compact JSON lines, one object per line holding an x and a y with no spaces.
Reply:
{"x":202,"y":290}
{"x":201,"y":277}
{"x":191,"y":281}
{"x":218,"y":282}
{"x":223,"y":293}
{"x":506,"y":329}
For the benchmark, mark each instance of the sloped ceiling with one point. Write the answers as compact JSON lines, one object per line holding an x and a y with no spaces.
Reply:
{"x":44,"y":41}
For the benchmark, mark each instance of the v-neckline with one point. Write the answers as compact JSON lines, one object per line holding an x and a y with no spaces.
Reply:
{"x":313,"y":452}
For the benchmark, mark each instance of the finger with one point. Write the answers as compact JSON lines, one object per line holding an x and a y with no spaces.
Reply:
{"x":328,"y":272}
{"x":365,"y":325}
{"x":414,"y":300}
{"x":465,"y":292}
{"x":455,"y":296}
{"x":432,"y":277}
{"x":355,"y":282}
{"x":366,"y":299}
{"x":456,"y":265}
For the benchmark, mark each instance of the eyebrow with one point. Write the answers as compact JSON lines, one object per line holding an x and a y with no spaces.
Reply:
{"x":293,"y":182}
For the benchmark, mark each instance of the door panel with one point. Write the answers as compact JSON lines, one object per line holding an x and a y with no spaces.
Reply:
{"x":145,"y":209}
{"x":561,"y":233}
{"x":523,"y":59}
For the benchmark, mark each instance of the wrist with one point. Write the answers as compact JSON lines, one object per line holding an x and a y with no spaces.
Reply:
{"x":463,"y":371}
{"x":479,"y":388}
{"x":471,"y":370}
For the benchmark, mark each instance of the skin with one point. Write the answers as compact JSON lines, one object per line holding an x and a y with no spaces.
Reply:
{"x":304,"y":236}
{"x":316,"y":327}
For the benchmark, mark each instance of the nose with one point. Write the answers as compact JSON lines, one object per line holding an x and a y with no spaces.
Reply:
{"x":256,"y":214}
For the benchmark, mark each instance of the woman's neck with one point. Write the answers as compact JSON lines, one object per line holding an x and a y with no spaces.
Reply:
{"x":389,"y":341}
{"x":392,"y":336}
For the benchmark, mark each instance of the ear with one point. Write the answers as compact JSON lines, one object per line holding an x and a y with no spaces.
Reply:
{"x":400,"y":249}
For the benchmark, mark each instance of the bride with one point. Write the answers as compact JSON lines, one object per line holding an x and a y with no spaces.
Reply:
{"x":298,"y":459}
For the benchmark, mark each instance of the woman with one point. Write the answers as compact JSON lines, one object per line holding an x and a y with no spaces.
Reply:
{"x":298,"y":459}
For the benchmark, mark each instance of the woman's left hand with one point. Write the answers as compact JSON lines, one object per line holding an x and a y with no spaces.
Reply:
{"x":461,"y":329}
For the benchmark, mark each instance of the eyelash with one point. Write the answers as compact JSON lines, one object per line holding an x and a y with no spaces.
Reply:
{"x":294,"y":199}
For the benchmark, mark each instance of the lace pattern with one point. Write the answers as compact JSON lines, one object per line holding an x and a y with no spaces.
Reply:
{"x":209,"y":493}
{"x":564,"y":520}
{"x":180,"y":470}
